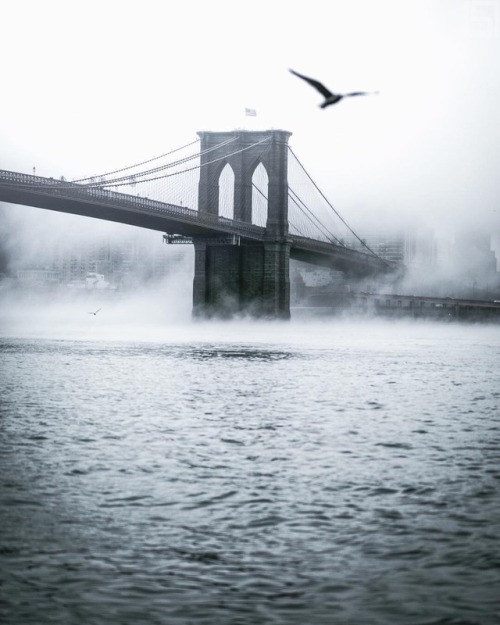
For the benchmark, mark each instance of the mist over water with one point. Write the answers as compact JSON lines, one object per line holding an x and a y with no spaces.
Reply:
{"x":161,"y":470}
{"x":143,"y":311}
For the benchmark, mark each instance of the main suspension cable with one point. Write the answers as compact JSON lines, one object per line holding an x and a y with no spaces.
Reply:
{"x":176,"y":173}
{"x":155,"y":158}
{"x":310,"y":215}
{"x":333,"y":208}
{"x":108,"y":183}
{"x":297,"y":200}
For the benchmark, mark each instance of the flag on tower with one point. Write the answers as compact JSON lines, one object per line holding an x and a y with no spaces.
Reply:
{"x":251,"y":112}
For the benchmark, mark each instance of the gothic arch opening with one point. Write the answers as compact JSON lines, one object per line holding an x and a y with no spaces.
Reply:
{"x":226,"y":192}
{"x":260,"y":193}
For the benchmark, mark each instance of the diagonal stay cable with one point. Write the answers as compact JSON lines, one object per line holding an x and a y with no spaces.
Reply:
{"x":310,"y":215}
{"x":183,"y":171}
{"x":118,"y":181}
{"x":150,"y":160}
{"x":333,"y":208}
{"x":296,"y":201}
{"x":107,"y":183}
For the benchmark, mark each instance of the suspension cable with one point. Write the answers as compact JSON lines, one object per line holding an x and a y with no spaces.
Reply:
{"x":117,"y":171}
{"x":297,"y":200}
{"x":107,"y":183}
{"x":117,"y":182}
{"x":333,"y":209}
{"x":176,"y":173}
{"x":321,"y":227}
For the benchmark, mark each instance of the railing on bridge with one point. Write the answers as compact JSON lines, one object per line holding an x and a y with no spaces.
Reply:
{"x":71,"y":190}
{"x":95,"y":194}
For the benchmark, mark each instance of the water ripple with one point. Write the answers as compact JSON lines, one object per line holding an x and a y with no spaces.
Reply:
{"x":350,"y":480}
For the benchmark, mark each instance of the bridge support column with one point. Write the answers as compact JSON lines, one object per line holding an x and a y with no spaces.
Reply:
{"x":200,"y":279}
{"x":276,"y":280}
{"x":252,"y":277}
{"x":241,"y":280}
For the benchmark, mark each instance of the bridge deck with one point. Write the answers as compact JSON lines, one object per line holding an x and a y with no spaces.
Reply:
{"x":100,"y":203}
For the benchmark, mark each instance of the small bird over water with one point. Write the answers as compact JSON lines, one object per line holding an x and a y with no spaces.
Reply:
{"x":330,"y":98}
{"x":95,"y":313}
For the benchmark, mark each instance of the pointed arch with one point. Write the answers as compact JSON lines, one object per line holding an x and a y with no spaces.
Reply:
{"x":260,"y":194}
{"x":267,"y":147}
{"x":226,"y":191}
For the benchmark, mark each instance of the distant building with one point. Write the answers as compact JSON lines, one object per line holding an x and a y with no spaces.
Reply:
{"x":96,"y":281}
{"x":118,"y":264}
{"x":474,"y":263}
{"x":37,"y":277}
{"x":411,"y":247}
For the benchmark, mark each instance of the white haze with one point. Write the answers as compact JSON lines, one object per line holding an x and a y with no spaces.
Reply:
{"x":122,"y":315}
{"x":92,"y":86}
{"x":147,"y":317}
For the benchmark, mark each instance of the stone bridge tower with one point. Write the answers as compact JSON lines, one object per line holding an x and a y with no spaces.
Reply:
{"x":251,"y":278}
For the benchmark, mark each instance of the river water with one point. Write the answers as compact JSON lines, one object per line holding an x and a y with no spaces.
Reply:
{"x":319,"y":471}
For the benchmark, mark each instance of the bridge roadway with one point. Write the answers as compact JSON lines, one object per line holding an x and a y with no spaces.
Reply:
{"x":93,"y":201}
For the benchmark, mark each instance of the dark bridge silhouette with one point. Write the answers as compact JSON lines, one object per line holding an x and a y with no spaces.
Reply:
{"x":240,"y":267}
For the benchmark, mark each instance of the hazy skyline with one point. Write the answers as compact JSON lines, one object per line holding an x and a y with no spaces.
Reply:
{"x":92,"y":86}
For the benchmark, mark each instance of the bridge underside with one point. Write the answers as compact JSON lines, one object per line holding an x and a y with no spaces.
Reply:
{"x":107,"y":212}
{"x":352,"y":265}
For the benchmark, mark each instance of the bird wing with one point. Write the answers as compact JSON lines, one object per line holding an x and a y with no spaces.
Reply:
{"x":315,"y":83}
{"x":360,"y":93}
{"x":97,"y":311}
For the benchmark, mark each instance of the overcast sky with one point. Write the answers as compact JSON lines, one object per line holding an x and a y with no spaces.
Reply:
{"x":89,"y":86}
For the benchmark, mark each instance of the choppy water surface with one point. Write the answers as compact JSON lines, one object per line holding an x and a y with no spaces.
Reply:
{"x":315,"y":473}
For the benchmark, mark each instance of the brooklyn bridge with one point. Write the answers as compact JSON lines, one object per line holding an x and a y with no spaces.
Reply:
{"x":243,"y":199}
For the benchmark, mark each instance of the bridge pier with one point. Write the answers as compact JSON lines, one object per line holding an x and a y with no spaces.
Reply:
{"x":252,"y":277}
{"x":240,"y":280}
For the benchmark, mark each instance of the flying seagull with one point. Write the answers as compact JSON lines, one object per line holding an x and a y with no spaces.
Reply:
{"x":95,"y":313}
{"x":330,"y":98}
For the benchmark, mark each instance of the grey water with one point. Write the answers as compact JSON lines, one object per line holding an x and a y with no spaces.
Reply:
{"x":323,"y":472}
